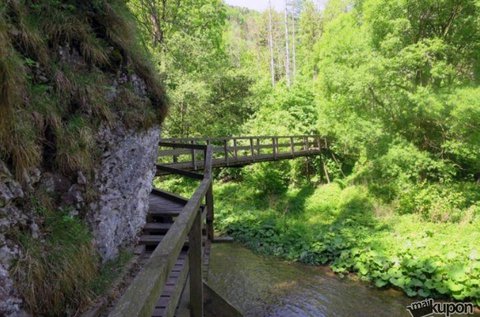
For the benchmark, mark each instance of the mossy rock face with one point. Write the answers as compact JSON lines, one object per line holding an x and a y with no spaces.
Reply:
{"x":67,"y":68}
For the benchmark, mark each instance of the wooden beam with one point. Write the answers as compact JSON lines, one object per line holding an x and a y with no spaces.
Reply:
{"x":183,"y":145}
{"x":210,"y":213}
{"x":195,"y":262}
{"x":225,"y":149}
{"x":173,"y":170}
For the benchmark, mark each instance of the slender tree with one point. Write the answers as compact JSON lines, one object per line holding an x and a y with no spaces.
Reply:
{"x":294,"y":42}
{"x":287,"y":47}
{"x":270,"y":43}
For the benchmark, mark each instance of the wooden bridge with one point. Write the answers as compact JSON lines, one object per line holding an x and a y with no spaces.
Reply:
{"x":175,"y":243}
{"x":180,"y":154}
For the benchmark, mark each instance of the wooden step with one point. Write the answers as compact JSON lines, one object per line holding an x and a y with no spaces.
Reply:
{"x":164,"y":213}
{"x":151,"y":239}
{"x":157,"y":227}
{"x":166,"y":304}
{"x":154,"y":240}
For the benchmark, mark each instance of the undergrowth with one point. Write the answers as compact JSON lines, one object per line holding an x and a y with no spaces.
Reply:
{"x":60,"y":272}
{"x":55,"y":273}
{"x":348,"y":229}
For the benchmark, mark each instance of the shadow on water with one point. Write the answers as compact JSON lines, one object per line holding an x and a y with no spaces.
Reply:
{"x":266,"y":286}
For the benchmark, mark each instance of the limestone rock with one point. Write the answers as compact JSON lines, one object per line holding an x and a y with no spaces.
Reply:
{"x":124,"y":182}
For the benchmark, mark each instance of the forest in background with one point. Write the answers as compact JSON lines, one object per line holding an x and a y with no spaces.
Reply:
{"x":392,"y":84}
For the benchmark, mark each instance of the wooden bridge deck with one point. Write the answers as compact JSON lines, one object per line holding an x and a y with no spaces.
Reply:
{"x":236,"y":151}
{"x":175,"y":242}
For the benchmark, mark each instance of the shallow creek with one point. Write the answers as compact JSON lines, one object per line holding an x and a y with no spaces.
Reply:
{"x":263,"y":286}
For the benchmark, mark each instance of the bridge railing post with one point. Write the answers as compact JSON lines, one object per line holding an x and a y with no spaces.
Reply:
{"x":274,"y":149}
{"x":195,"y":264}
{"x":252,"y":151}
{"x":210,"y":213}
{"x":225,"y":149}
{"x":235,"y":150}
{"x":194,"y":161}
{"x":292,"y":146}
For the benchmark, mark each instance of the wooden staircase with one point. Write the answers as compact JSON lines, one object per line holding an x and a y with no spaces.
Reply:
{"x":174,"y":246}
{"x":164,"y":208}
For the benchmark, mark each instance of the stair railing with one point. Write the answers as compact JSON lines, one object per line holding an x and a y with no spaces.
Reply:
{"x":143,"y":293}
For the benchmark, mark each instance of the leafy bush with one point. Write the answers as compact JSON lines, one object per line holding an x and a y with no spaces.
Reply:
{"x":268,"y":178}
{"x":350,"y":231}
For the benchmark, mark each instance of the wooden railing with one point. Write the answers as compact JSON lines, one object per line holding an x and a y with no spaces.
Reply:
{"x":145,"y":290}
{"x":237,"y":151}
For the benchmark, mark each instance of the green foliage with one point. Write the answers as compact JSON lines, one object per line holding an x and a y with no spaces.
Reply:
{"x":348,"y":230}
{"x":394,"y":85}
{"x":268,"y":178}
{"x":109,"y":272}
{"x":55,"y":273}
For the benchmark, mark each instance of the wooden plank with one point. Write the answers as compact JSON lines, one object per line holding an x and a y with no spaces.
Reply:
{"x":174,"y":291}
{"x":170,"y":196}
{"x":173,"y":170}
{"x":164,"y":213}
{"x":157,"y":227}
{"x":183,"y":145}
{"x":151,"y":239}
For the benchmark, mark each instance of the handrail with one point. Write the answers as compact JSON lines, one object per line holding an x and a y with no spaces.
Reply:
{"x":237,"y":151}
{"x":168,"y":140}
{"x":140,"y":297}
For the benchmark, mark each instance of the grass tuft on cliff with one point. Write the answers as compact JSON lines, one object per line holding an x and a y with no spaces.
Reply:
{"x":63,"y":63}
{"x":56,"y":272}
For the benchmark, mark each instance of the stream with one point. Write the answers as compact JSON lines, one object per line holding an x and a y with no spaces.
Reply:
{"x":262,"y":286}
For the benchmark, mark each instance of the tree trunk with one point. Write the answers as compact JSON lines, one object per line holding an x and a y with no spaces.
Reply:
{"x":294,"y":45}
{"x":287,"y":47}
{"x":270,"y":43}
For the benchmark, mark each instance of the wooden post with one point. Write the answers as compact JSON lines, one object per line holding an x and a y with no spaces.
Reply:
{"x":292,"y":146}
{"x":252,"y":152}
{"x":225,"y":148}
{"x":205,"y":154}
{"x":258,"y":146}
{"x":274,"y":149}
{"x":235,"y":151}
{"x":210,"y":213}
{"x":194,"y":161}
{"x":195,"y":263}
{"x":305,"y":144}
{"x":319,"y":143}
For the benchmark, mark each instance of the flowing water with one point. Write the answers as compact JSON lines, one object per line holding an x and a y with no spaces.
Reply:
{"x":263,"y":286}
